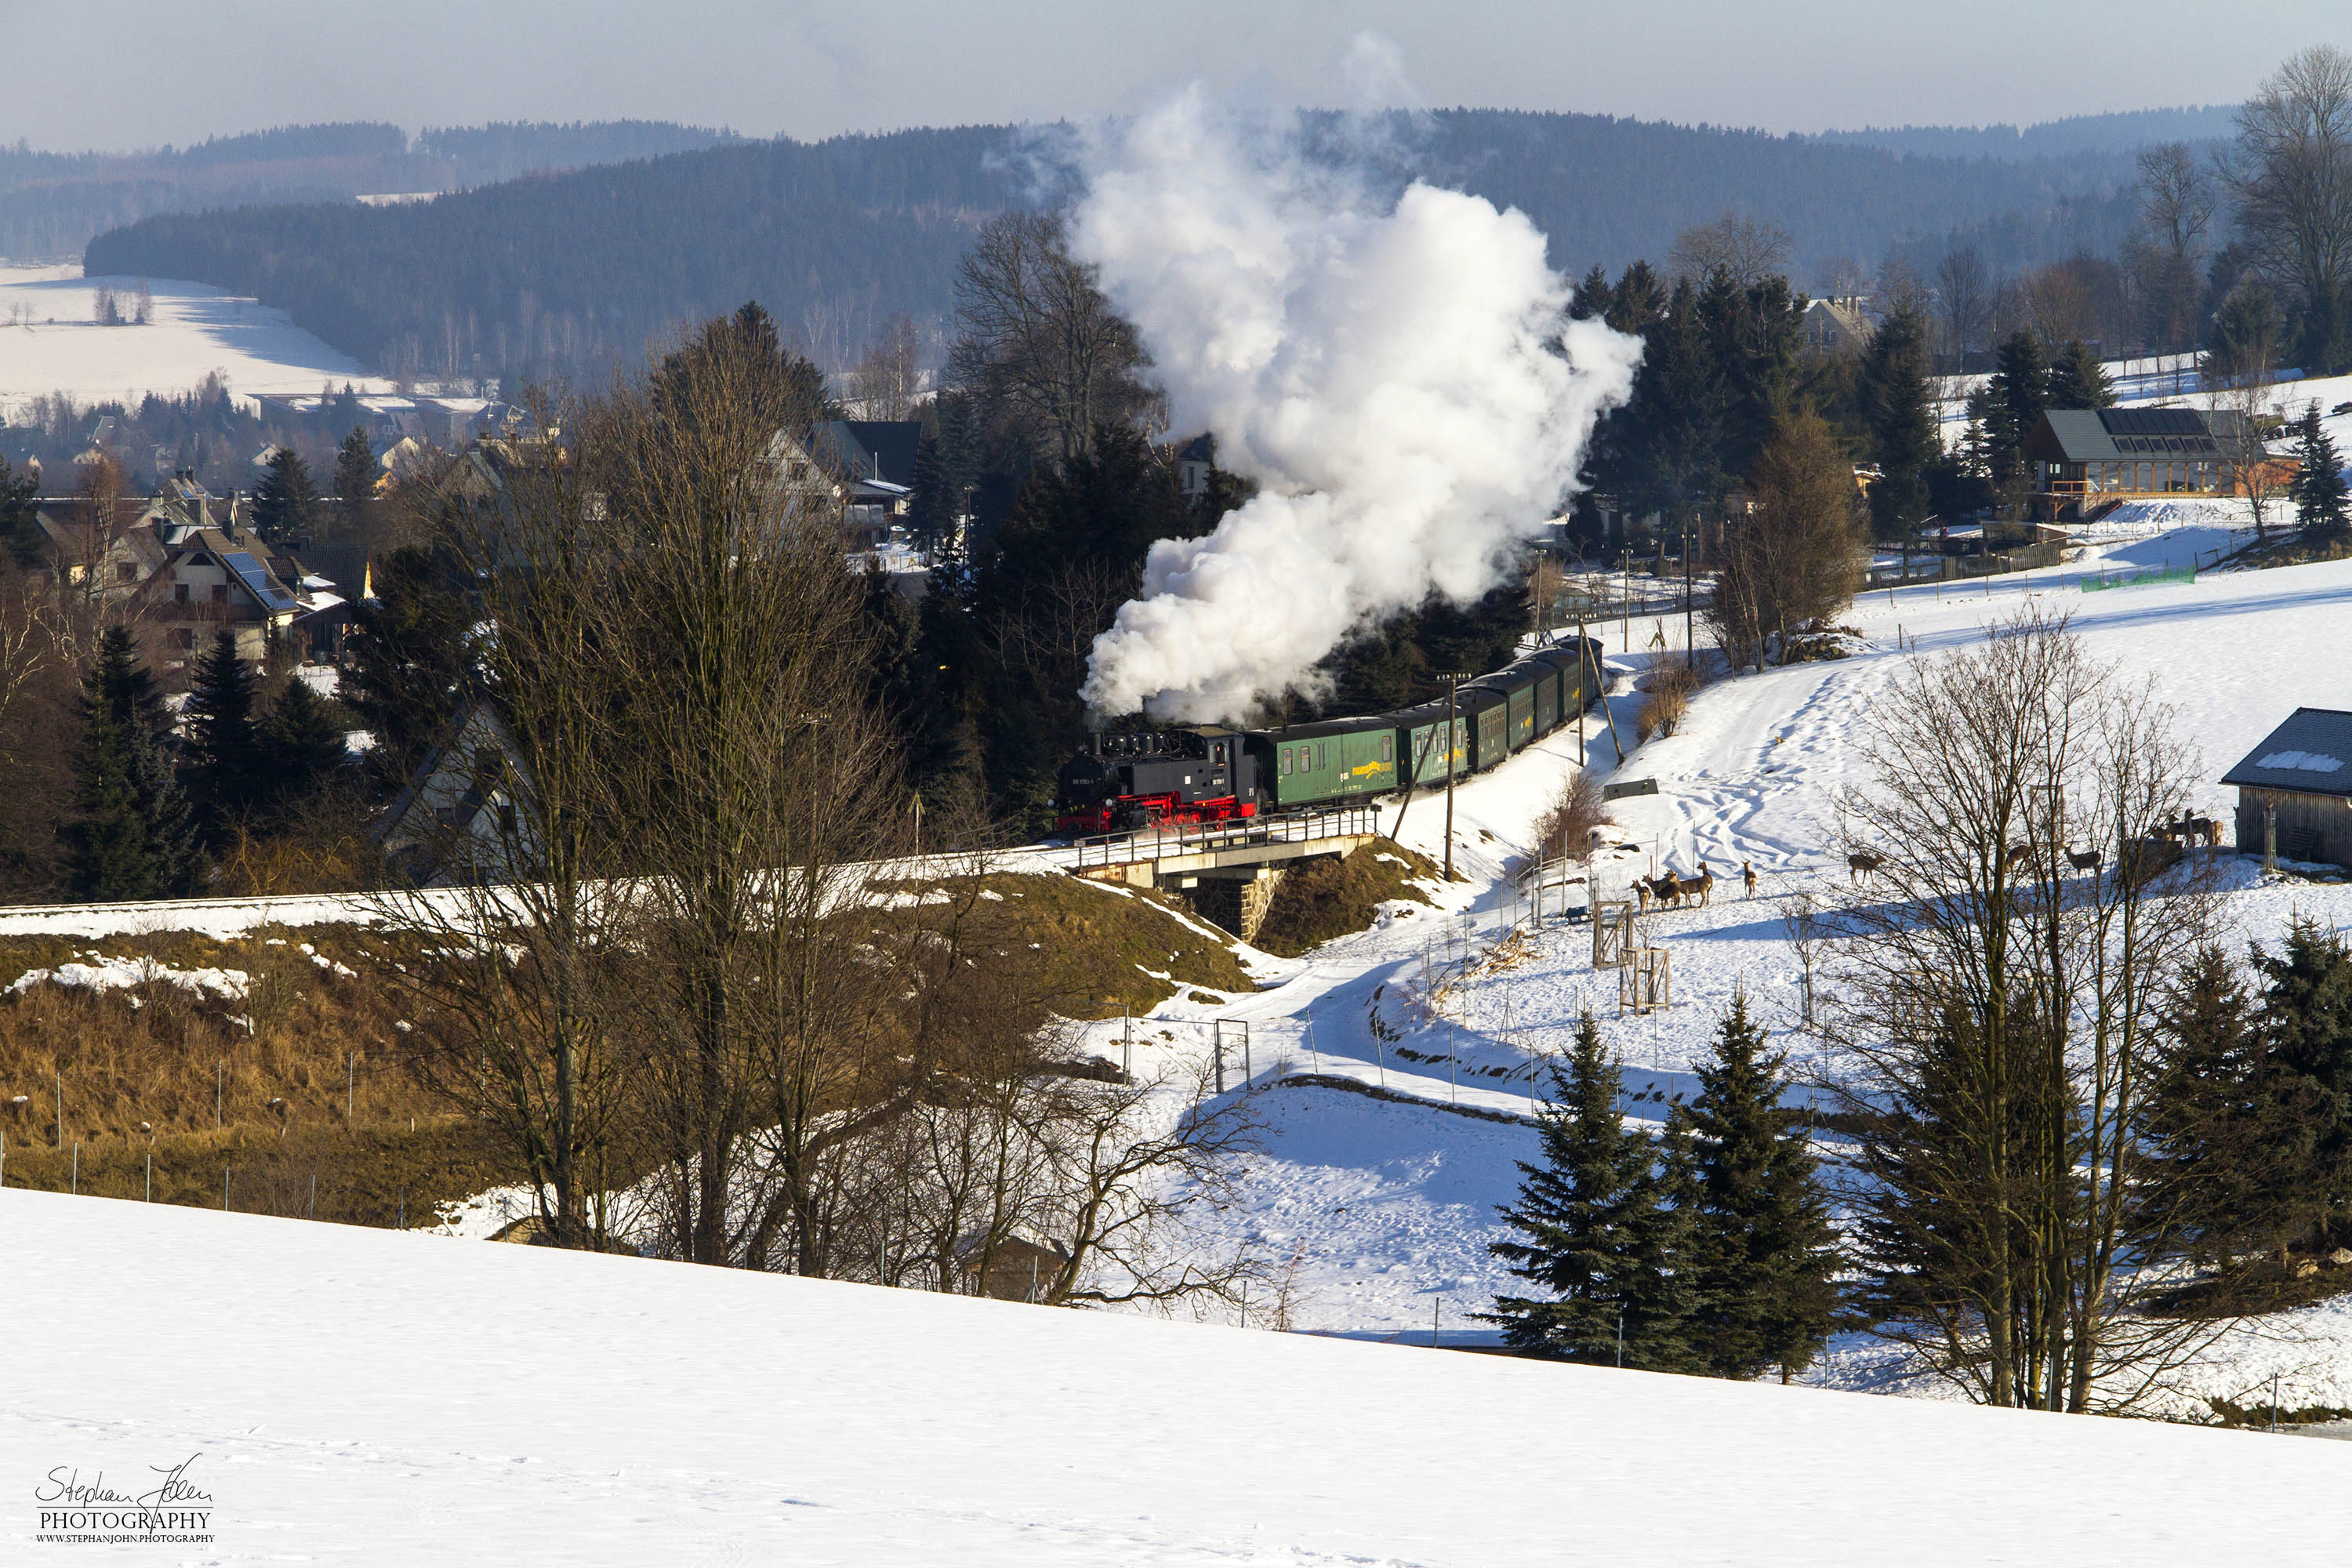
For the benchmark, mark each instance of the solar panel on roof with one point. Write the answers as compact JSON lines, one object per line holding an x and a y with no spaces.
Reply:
{"x":256,"y":579}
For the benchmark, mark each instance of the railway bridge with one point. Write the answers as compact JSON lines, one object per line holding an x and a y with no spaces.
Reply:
{"x":1228,"y":872}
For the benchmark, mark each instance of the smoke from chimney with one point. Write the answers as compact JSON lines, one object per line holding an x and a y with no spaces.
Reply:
{"x":1400,"y":379}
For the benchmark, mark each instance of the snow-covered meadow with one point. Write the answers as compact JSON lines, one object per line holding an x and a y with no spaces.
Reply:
{"x":346,"y":1396}
{"x":50,"y":342}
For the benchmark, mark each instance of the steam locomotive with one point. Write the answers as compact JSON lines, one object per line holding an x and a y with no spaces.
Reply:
{"x":1212,"y":774}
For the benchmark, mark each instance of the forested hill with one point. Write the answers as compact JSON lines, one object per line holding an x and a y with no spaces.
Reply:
{"x":52,"y":203}
{"x":573,"y":273}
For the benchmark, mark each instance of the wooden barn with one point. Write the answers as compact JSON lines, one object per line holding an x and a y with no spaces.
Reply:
{"x":2294,"y":790}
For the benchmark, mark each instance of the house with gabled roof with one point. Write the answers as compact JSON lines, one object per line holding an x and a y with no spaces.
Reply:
{"x":2294,"y":790}
{"x":456,"y":820}
{"x":2083,"y":460}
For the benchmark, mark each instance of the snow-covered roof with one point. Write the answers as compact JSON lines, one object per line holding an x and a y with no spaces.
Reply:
{"x":2312,"y":753}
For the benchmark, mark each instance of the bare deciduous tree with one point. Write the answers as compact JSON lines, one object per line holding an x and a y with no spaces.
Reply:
{"x":1041,"y":347}
{"x":1997,"y":1018}
{"x":2166,"y":253}
{"x":1750,"y":249}
{"x":887,"y":381}
{"x":1965,"y":289}
{"x":2290,"y":173}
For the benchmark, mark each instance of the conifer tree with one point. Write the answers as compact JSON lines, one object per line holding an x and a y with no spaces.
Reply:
{"x":410,"y":668}
{"x":224,"y":748}
{"x":1582,"y":1213}
{"x":130,"y":835}
{"x":286,"y":501}
{"x":2319,"y":490}
{"x":1763,"y":1241}
{"x":2077,"y":380}
{"x":20,"y":527}
{"x":1665,"y":1326}
{"x":2218,"y":1118}
{"x":2306,"y":1039}
{"x":2016,"y":394}
{"x":355,"y":473}
{"x":302,"y":745}
{"x":1898,"y":411}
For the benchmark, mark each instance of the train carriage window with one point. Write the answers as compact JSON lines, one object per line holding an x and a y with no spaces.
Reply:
{"x":1285,"y":761}
{"x":1322,"y":756}
{"x":1385,"y":741}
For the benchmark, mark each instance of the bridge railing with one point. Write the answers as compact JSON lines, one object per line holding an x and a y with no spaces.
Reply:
{"x":1175,"y":839}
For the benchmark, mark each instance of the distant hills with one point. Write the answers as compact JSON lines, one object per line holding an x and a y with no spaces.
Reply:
{"x":52,"y":203}
{"x":571,"y":273}
{"x":2123,"y":133}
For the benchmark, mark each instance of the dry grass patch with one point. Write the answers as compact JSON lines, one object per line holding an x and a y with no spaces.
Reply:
{"x":1329,"y":897}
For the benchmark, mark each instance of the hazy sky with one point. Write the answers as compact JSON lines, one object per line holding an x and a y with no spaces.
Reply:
{"x":139,"y":72}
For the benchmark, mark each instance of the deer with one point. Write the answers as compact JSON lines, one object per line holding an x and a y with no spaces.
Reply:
{"x":1641,"y":892}
{"x":1748,"y":875}
{"x":2088,"y":861}
{"x":2202,"y":827}
{"x":2016,"y":855}
{"x":1668,"y":889}
{"x":1700,"y":888}
{"x":1862,"y":864}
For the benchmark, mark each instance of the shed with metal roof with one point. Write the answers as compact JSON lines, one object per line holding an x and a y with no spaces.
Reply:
{"x":2294,"y":790}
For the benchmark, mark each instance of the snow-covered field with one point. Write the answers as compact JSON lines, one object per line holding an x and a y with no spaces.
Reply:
{"x":50,"y":342}
{"x":356,"y":1397}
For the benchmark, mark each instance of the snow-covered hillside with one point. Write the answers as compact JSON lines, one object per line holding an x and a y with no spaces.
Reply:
{"x":355,"y":1396}
{"x":49,"y":342}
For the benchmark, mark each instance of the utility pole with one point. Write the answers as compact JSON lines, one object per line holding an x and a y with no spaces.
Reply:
{"x":1453,"y":757}
{"x":1690,"y":655}
{"x":1625,"y":602}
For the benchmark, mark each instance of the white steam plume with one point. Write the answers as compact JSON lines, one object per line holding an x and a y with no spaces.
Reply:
{"x":1402,"y":384}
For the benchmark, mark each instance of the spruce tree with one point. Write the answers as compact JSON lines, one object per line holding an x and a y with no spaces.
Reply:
{"x":1663,"y":1298}
{"x":301,"y":745}
{"x":1764,"y":1247}
{"x":224,"y":745}
{"x":20,"y":525}
{"x":2077,"y":380}
{"x":130,"y":835}
{"x":1582,"y":1213}
{"x":2318,"y":489}
{"x":2219,"y":1119}
{"x":1898,"y":410}
{"x":286,"y":503}
{"x":355,"y":473}
{"x":2305,"y":1022}
{"x":2016,"y":394}
{"x":409,"y":668}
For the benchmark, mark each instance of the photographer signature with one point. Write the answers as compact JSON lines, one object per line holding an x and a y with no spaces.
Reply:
{"x":66,"y":1486}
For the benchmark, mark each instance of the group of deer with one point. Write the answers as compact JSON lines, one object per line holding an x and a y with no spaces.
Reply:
{"x":2191,"y":831}
{"x":1667,"y":889}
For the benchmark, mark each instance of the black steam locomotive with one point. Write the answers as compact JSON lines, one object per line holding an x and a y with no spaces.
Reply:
{"x":1212,"y":774}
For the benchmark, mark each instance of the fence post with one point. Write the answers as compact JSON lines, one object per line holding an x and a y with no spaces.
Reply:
{"x":151,"y":1172}
{"x":76,"y":1188}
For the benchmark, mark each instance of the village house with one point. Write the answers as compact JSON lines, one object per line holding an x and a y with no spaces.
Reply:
{"x":456,"y":821}
{"x":2085,"y":460}
{"x":2294,"y":790}
{"x":874,"y":462}
{"x":1836,"y":325}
